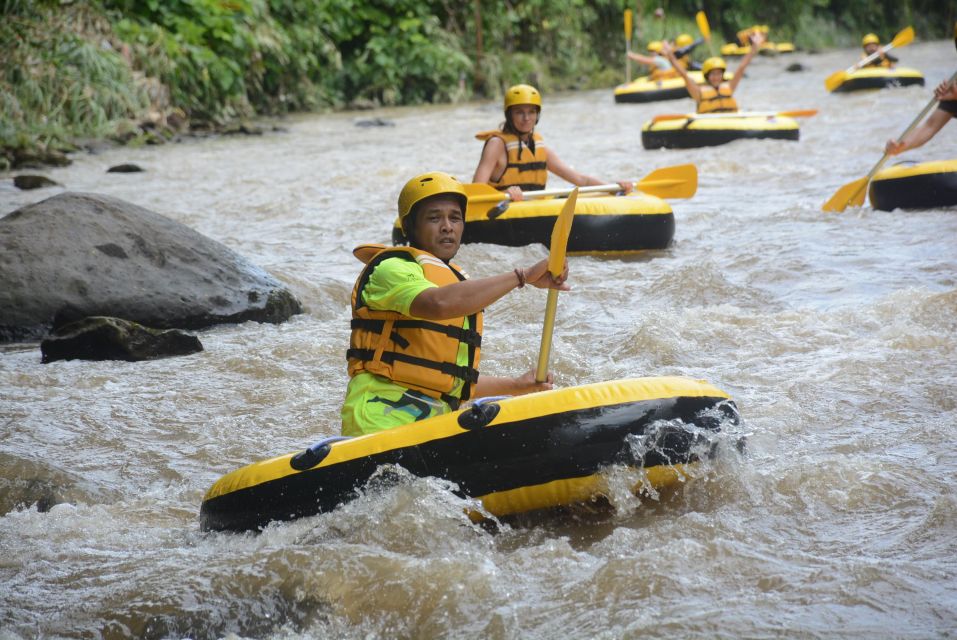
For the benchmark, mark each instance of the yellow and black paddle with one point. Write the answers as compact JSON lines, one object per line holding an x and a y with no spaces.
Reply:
{"x":854,"y":193}
{"x":556,"y":264}
{"x":796,"y":113}
{"x":679,"y":181}
{"x":902,"y":39}
{"x":705,"y":29}
{"x":628,"y":32}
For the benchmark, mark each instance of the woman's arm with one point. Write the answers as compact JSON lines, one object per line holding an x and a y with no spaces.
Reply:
{"x":756,"y":40}
{"x":918,"y":136}
{"x":692,"y":86}
{"x":471,"y":296}
{"x":565,"y":172}
{"x":520,"y":385}
{"x":645,"y":60}
{"x":493,"y":158}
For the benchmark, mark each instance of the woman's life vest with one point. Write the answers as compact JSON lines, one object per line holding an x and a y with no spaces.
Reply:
{"x":414,"y":353}
{"x":527,"y":166}
{"x":716,"y":100}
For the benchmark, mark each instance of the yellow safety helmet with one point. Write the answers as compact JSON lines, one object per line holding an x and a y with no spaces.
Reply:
{"x":522,"y":94}
{"x":713,"y":63}
{"x":683,"y":40}
{"x":427,"y":185}
{"x":654,"y":46}
{"x":870,"y":38}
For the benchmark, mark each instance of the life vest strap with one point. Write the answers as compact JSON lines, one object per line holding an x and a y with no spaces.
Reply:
{"x":527,"y":166}
{"x":468,"y":336}
{"x":524,"y":186}
{"x":465,"y":373}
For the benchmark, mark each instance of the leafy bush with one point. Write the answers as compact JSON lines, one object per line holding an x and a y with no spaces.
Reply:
{"x":61,"y":77}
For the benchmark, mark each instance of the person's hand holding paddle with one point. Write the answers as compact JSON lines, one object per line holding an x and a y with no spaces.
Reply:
{"x":515,"y":194}
{"x":539,"y":276}
{"x":946,"y":90}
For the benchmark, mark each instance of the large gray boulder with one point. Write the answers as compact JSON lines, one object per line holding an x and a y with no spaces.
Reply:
{"x":78,"y":254}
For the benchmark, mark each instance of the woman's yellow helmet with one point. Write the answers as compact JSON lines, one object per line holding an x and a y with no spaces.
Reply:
{"x":522,"y":94}
{"x":427,"y":185}
{"x":713,"y":63}
{"x":654,"y":46}
{"x":870,"y":38}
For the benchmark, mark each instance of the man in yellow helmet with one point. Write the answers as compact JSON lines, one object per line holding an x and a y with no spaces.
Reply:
{"x":872,"y":43}
{"x":684,"y":45}
{"x":515,"y":159}
{"x":715,"y":95}
{"x":417,"y":318}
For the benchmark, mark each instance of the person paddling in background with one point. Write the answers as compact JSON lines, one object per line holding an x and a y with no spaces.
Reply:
{"x":872,"y":43}
{"x":684,"y":46}
{"x":417,"y":318}
{"x":660,"y":66}
{"x":515,"y":159}
{"x":716,"y":95}
{"x":946,"y":92}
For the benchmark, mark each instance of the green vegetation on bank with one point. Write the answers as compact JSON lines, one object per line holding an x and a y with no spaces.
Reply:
{"x":142,"y":70}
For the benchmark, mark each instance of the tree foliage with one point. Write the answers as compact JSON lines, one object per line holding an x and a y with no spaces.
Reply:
{"x":74,"y":67}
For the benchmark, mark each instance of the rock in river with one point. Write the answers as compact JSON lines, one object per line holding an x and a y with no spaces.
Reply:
{"x":77,"y":254}
{"x":102,"y":338}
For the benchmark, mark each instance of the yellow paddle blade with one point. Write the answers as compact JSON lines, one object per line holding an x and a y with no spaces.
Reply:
{"x":904,"y":38}
{"x":680,"y":181}
{"x":482,"y":192}
{"x":851,"y":194}
{"x":703,"y":25}
{"x":560,"y":233}
{"x":835,"y":80}
{"x":628,"y":29}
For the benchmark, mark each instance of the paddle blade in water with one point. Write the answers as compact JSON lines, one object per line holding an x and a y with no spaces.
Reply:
{"x":851,"y":194}
{"x":835,"y":80}
{"x":679,"y":181}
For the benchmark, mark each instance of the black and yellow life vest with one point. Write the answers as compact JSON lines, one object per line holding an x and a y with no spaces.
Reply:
{"x":525,"y":169}
{"x":879,"y":61}
{"x":417,"y":354}
{"x":716,"y":100}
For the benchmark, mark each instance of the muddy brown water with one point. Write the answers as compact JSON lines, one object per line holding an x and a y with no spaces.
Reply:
{"x":835,"y":334}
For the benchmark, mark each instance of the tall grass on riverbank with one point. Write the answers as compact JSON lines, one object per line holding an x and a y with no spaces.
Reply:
{"x":60,"y":79}
{"x":90,"y":69}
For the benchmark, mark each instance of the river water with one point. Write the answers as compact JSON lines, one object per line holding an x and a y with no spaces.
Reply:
{"x":835,"y":333}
